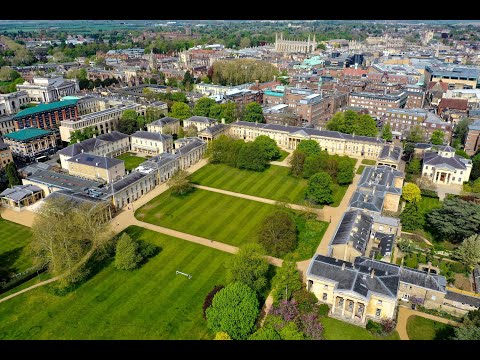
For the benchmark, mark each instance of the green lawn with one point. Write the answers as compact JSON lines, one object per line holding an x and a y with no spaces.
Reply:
{"x":339,"y":330}
{"x":420,"y":328}
{"x":13,"y":253}
{"x":275,"y":183}
{"x":149,"y":303}
{"x":360,"y":169}
{"x":131,"y":161}
{"x":338,"y":194}
{"x":427,"y":203}
{"x":283,"y":156}
{"x":369,"y":162}
{"x":224,"y":218}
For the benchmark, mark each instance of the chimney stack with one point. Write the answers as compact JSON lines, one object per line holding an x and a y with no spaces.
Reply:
{"x":223,"y":120}
{"x":343,"y":266}
{"x":372,"y":273}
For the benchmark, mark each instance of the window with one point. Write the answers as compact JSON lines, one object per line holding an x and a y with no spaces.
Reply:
{"x":426,"y":167}
{"x":325,"y":287}
{"x":378,"y":312}
{"x":324,"y":297}
{"x":379,"y":302}
{"x":434,"y":297}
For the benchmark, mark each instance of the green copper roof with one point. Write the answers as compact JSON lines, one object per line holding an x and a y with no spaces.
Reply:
{"x":26,"y":134}
{"x":45,"y":107}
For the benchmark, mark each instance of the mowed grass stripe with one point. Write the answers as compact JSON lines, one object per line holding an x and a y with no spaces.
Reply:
{"x":132,"y":305}
{"x":13,"y":241}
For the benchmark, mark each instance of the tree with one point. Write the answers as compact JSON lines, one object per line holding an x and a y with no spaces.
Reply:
{"x":462,"y":153}
{"x":278,"y":233}
{"x":319,"y":188}
{"x":455,"y":220}
{"x":387,"y":132}
{"x":309,"y":147}
{"x":286,"y":281}
{"x":351,"y":122}
{"x":296,"y":162}
{"x":66,"y":234}
{"x":410,"y":217}
{"x":180,"y":111}
{"x":187,"y":81}
{"x":468,"y":252}
{"x":311,"y":326}
{"x":81,"y":135}
{"x":241,"y":71}
{"x":209,"y":298}
{"x":190,"y":131}
{"x":415,"y":167}
{"x":475,"y":173}
{"x":127,"y":255}
{"x":437,"y":137}
{"x":253,"y":112}
{"x":269,"y":146}
{"x":234,"y":310}
{"x":345,"y":172}
{"x":245,"y":42}
{"x":266,"y":332}
{"x":409,"y":149}
{"x":470,"y":327}
{"x":461,"y":130}
{"x":252,"y":156}
{"x":202,"y":106}
{"x":411,"y":192}
{"x":128,"y":122}
{"x":179,"y":184}
{"x":291,"y":332}
{"x":152,"y":113}
{"x":225,"y":150}
{"x":249,"y":267}
{"x":222,"y":335}
{"x":388,"y":325}
{"x":12,"y":174}
{"x":416,"y":134}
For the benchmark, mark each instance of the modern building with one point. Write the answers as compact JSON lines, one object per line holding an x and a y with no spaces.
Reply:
{"x":12,"y":103}
{"x":96,"y":167}
{"x":47,"y":116}
{"x":459,"y":77}
{"x":377,"y":104}
{"x":109,"y":145}
{"x":31,"y":143}
{"x":5,"y":154}
{"x":442,"y":166}
{"x":288,"y":137}
{"x":20,"y":196}
{"x":370,"y":289}
{"x":166,"y":125}
{"x":472,"y":142}
{"x":200,"y":122}
{"x":151,"y":143}
{"x":47,"y":90}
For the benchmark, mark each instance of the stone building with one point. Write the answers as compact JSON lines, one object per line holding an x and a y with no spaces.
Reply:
{"x":20,"y":196}
{"x":7,"y":125}
{"x":47,"y":90}
{"x":294,"y":46}
{"x":472,"y":142}
{"x":11,"y":103}
{"x":166,"y":125}
{"x":151,"y":143}
{"x":200,"y":122}
{"x":288,"y":137}
{"x":390,"y":156}
{"x":31,"y":143}
{"x":109,"y":145}
{"x":96,"y":167}
{"x":442,"y":166}
{"x":213,"y":132}
{"x":5,"y":154}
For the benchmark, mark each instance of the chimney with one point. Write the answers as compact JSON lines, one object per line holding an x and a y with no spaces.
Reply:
{"x":372,"y":273}
{"x":343,"y":266}
{"x":76,"y":160}
{"x":223,"y":120}
{"x":94,"y":136}
{"x":82,"y":151}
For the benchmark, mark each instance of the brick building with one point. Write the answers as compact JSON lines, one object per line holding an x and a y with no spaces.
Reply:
{"x":377,"y":104}
{"x":472,"y":143}
{"x":29,"y":144}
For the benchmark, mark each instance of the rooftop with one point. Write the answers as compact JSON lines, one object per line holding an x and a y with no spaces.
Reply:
{"x":92,"y":144}
{"x":27,"y":134}
{"x":151,"y":135}
{"x":20,"y":192}
{"x":45,"y":107}
{"x":354,"y":227}
{"x":164,"y":121}
{"x":202,"y":119}
{"x":95,"y":160}
{"x":474,"y":125}
{"x":62,"y":181}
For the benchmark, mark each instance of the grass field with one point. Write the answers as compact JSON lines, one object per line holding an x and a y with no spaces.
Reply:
{"x":283,"y":156}
{"x":360,"y":169}
{"x":369,"y":162}
{"x":13,"y":254}
{"x":149,"y":303}
{"x":131,"y":161}
{"x":419,"y":328}
{"x":340,"y":330}
{"x":427,"y":203}
{"x":223,"y":218}
{"x":275,"y":183}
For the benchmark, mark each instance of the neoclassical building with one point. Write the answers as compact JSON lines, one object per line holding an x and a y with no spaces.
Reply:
{"x":442,"y":166}
{"x":288,"y":137}
{"x":292,"y":46}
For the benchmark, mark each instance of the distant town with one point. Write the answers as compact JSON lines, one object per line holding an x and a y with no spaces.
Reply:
{"x":240,"y":180}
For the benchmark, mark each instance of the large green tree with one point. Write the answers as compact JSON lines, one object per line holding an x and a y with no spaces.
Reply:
{"x":234,"y":310}
{"x":437,"y":137}
{"x":179,"y":184}
{"x":202,"y":106}
{"x":319,"y":188}
{"x":180,"y":111}
{"x":266,"y":332}
{"x":410,"y":217}
{"x":12,"y":174}
{"x":286,"y":281}
{"x":345,"y":172}
{"x":225,"y":150}
{"x":127,"y":253}
{"x":252,"y":156}
{"x":309,"y":147}
{"x":241,"y":71}
{"x":461,"y":130}
{"x":81,"y":135}
{"x":470,"y":327}
{"x":387,"y":132}
{"x":253,"y":112}
{"x":278,"y":233}
{"x":414,"y":167}
{"x":351,"y":122}
{"x":296,"y":162}
{"x":455,"y":220}
{"x":269,"y":146}
{"x":416,"y":134}
{"x":468,"y":252}
{"x":249,"y":266}
{"x":128,"y":122}
{"x":475,"y":173}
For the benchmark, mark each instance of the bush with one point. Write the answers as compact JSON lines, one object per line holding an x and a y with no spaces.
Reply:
{"x":127,"y":256}
{"x":374,"y":327}
{"x":222,"y":335}
{"x":287,"y":310}
{"x":429,"y":193}
{"x":312,"y":328}
{"x":209,"y":298}
{"x":306,"y":300}
{"x":388,"y":325}
{"x":458,"y":268}
{"x":323,"y":310}
{"x":267,"y":332}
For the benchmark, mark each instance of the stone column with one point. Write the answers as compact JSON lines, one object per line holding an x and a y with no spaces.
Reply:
{"x":448,"y":180}
{"x":364,"y":313}
{"x":353,"y":310}
{"x":343,"y":306}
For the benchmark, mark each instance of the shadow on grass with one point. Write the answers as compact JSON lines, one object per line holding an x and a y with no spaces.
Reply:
{"x":7,"y":259}
{"x":445,"y":333}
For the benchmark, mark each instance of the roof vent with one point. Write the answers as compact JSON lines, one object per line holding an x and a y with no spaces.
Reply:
{"x":343,"y":266}
{"x":97,"y":163}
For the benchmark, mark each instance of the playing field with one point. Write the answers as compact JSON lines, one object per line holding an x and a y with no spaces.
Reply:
{"x":149,"y":303}
{"x":13,"y":240}
{"x":131,"y":161}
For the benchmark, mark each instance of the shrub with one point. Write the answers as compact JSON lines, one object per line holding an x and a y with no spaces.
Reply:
{"x":267,"y":332}
{"x":374,"y":327}
{"x":388,"y":325}
{"x":458,"y":268}
{"x":209,"y":298}
{"x":429,"y":193}
{"x":147,"y":250}
{"x":306,"y":300}
{"x":312,"y":328}
{"x":288,"y":310}
{"x":127,"y":256}
{"x":323,"y":310}
{"x":222,"y":335}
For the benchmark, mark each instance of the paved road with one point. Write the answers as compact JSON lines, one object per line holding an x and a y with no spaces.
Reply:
{"x":404,"y":313}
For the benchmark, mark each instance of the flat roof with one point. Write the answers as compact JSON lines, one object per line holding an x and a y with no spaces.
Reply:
{"x":27,"y":134}
{"x":63,"y":181}
{"x":46,"y":107}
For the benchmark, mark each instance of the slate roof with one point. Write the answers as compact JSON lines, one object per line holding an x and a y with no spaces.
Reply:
{"x":3,"y":145}
{"x":390,"y":153}
{"x":91,"y":144}
{"x":76,"y":197}
{"x":421,"y":278}
{"x":422,"y":146}
{"x":386,"y":220}
{"x":202,"y":119}
{"x":386,"y":242}
{"x":311,"y":132}
{"x":214,"y":129}
{"x":474,"y":125}
{"x":432,"y":158}
{"x":20,"y":192}
{"x":446,"y":148}
{"x":159,"y":161}
{"x":151,"y":135}
{"x":95,"y":160}
{"x":164,"y":121}
{"x":380,"y":178}
{"x":355,"y":227}
{"x":124,"y":182}
{"x":367,"y":200}
{"x":463,"y":298}
{"x":62,"y":181}
{"x":192,"y":144}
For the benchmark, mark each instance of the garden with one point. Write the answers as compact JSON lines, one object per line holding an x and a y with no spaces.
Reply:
{"x":131,"y":160}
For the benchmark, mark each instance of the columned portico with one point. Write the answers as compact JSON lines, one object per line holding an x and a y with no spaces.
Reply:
{"x":348,"y":309}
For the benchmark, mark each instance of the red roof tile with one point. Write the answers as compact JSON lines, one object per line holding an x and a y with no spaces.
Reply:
{"x":458,"y":104}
